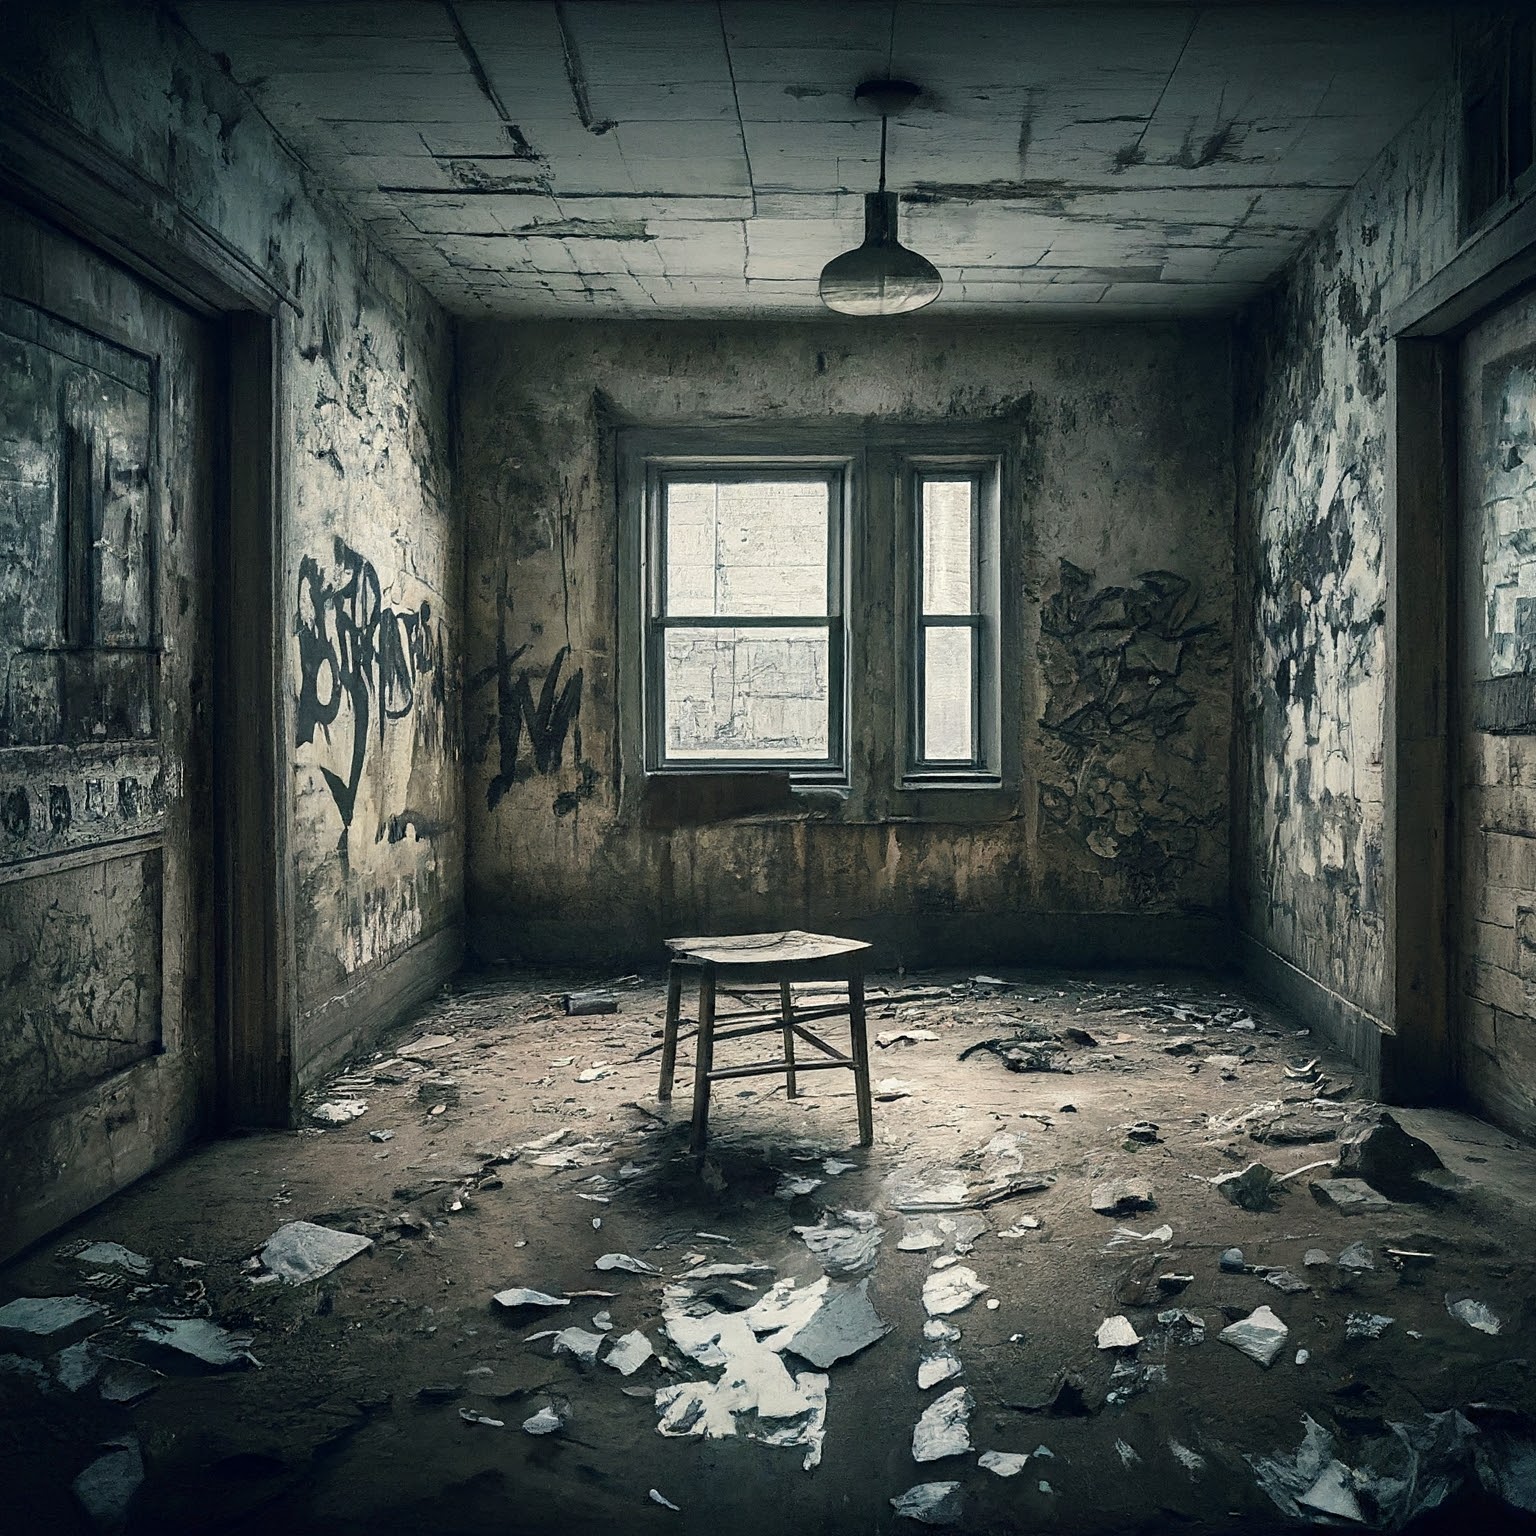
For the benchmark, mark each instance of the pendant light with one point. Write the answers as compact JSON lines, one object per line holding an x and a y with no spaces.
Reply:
{"x":881,"y":277}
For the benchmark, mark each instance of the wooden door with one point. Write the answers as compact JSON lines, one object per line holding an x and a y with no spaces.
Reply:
{"x":106,"y":495}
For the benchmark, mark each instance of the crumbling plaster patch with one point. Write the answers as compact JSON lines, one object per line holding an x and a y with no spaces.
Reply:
{"x":1312,"y":430}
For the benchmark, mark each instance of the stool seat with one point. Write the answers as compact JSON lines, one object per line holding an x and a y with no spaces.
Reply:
{"x":779,"y":959}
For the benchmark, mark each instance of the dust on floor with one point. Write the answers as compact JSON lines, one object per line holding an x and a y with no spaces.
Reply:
{"x":754,"y":1353}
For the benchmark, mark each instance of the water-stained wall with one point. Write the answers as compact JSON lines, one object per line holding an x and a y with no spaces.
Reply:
{"x":1114,"y":840}
{"x":1494,"y":985}
{"x":1312,"y":366}
{"x":369,"y":661}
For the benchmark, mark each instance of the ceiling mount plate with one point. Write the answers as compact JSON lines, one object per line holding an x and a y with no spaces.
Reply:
{"x":887,"y":97}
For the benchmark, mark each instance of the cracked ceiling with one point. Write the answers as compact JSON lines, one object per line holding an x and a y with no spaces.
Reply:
{"x":688,"y":157}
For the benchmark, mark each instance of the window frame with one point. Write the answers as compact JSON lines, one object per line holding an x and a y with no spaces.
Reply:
{"x":877,"y":783}
{"x":659,"y":470}
{"x":983,"y":769}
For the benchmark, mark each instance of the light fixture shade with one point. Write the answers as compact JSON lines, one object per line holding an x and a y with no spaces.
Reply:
{"x":881,"y":277}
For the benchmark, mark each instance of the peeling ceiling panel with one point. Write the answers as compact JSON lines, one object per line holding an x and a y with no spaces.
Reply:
{"x":655,"y":157}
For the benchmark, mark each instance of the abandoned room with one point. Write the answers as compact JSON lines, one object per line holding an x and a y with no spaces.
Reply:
{"x":767,"y":766}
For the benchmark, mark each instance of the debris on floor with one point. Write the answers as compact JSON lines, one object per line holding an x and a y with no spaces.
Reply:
{"x":106,"y":1487}
{"x":1261,"y":1336}
{"x":197,"y":1338}
{"x":47,"y":1317}
{"x":847,"y":1245}
{"x":338,"y":1111}
{"x":1123,"y":1197}
{"x":931,"y":1503}
{"x":951,"y":1290}
{"x":1117,"y":1333}
{"x":708,"y":1309}
{"x":300,"y":1251}
{"x":113,"y":1256}
{"x":516,"y":1296}
{"x":1474,"y":1314}
{"x":944,"y":1428}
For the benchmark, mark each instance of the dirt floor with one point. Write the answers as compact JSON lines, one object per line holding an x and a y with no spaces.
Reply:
{"x":506,"y":1145}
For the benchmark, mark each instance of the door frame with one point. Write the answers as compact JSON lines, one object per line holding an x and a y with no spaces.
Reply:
{"x":1420,"y":1060}
{"x":54,"y":170}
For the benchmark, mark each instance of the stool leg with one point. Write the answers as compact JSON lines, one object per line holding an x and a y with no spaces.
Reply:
{"x":703,"y":1061}
{"x":860,"y":1059}
{"x":787,"y":1011}
{"x":669,"y":1031}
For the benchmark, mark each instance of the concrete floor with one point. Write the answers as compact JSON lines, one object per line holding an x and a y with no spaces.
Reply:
{"x":368,"y":1411}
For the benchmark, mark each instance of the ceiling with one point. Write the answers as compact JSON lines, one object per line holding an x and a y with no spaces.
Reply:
{"x":689,"y":157}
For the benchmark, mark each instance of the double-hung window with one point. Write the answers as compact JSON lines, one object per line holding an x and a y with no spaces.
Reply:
{"x":745,"y":659}
{"x":953,"y":632}
{"x":819,"y":600}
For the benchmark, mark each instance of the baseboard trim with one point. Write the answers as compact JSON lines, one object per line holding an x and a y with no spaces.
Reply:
{"x":70,"y":1155}
{"x":1342,"y":1025}
{"x":342,"y":1024}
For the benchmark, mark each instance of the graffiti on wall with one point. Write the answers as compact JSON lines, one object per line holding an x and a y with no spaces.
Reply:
{"x":362,"y":663}
{"x":544,"y":720}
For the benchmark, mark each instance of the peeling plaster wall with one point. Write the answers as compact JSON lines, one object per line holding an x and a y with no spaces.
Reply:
{"x":1116,"y":840}
{"x":1495,"y":981}
{"x":370,"y":661}
{"x":1312,"y":365}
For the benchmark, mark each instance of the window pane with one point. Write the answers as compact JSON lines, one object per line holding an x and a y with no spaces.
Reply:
{"x":947,"y":694}
{"x":747,"y":547}
{"x":747,"y":693}
{"x":947,"y":546}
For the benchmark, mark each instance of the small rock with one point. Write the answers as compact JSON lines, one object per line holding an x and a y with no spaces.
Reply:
{"x":1284,"y":1280}
{"x":1352,"y":1197}
{"x":1400,"y":1165}
{"x":1120,"y":1197}
{"x":1261,"y":1336}
{"x":1232,"y":1261}
{"x":1315,"y":1258}
{"x":1188,"y":1328}
{"x":1251,"y":1190}
{"x":545,"y":1422}
{"x":1171,"y":1284}
{"x":1356,"y":1257}
{"x":1117,"y":1333}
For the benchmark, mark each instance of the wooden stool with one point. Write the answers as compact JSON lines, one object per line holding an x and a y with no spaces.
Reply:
{"x":745,"y":962}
